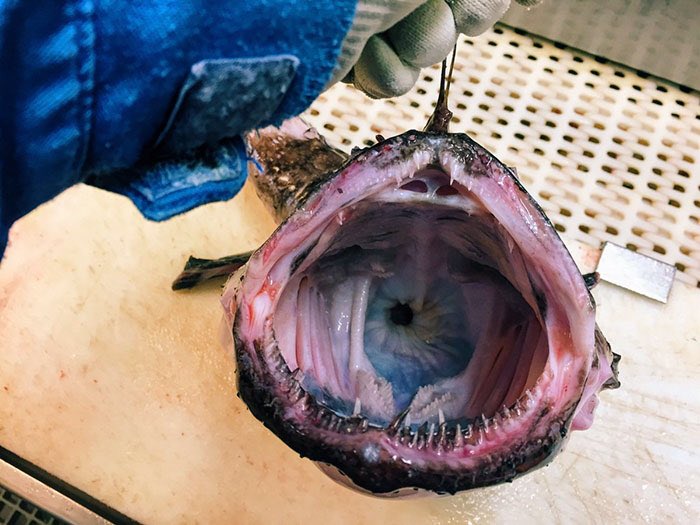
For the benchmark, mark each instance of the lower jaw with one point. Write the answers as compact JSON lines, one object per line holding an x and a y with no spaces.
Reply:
{"x":391,"y":462}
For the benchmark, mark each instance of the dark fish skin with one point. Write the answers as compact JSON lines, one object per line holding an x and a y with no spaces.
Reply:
{"x":291,"y":167}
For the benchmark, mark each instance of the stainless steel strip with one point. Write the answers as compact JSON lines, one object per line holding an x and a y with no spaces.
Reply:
{"x":636,"y":272}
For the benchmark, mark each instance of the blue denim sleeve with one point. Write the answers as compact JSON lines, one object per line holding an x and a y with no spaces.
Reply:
{"x":149,"y":98}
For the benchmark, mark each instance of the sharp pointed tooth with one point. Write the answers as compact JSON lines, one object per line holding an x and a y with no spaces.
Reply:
{"x":422,"y":435}
{"x":442,"y":435}
{"x":480,"y":436}
{"x":441,"y":416}
{"x":468,"y":431}
{"x":398,"y":421}
{"x":485,"y":423}
{"x":302,"y":399}
{"x":459,"y":439}
{"x":407,"y":421}
{"x":530,"y":398}
{"x":364,"y":425}
{"x":414,"y":442}
{"x":431,"y":435}
{"x":297,"y":375}
{"x":358,"y":407}
{"x":505,"y":413}
{"x":294,"y":391}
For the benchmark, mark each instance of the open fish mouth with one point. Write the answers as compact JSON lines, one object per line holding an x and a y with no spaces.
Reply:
{"x":417,"y":323}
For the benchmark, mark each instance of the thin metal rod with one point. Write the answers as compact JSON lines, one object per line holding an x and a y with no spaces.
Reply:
{"x":439,"y":121}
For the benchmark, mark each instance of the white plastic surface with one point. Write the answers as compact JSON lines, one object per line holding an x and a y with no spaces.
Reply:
{"x":610,"y":155}
{"x":659,"y":37}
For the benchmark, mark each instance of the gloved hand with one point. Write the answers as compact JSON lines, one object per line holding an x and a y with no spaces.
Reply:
{"x":391,"y":40}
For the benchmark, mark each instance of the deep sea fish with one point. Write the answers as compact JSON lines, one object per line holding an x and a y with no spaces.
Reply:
{"x":415,"y":323}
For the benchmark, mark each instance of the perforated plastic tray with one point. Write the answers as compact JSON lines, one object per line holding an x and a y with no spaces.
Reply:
{"x":611,"y":154}
{"x":15,"y":510}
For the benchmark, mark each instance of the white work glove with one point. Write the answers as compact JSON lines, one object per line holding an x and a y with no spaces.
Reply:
{"x":391,"y":40}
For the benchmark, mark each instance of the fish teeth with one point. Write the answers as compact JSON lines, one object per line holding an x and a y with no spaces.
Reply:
{"x":431,"y":435}
{"x":441,"y":416}
{"x":295,"y":392}
{"x":358,"y":407}
{"x":334,"y":422}
{"x":398,"y":421}
{"x":530,"y":398}
{"x":422,"y":435}
{"x":304,"y":401}
{"x":468,"y":431}
{"x":439,"y":435}
{"x":459,"y":439}
{"x":493,"y":423}
{"x":277,"y":362}
{"x":442,"y":438}
{"x":324,"y":417}
{"x":414,"y":441}
{"x":485,"y":424}
{"x":364,"y":425}
{"x":505,"y":413}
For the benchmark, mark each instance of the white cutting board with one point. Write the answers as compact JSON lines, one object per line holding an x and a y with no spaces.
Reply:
{"x":120,"y":387}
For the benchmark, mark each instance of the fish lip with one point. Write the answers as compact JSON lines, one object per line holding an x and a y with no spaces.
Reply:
{"x":261,"y":391}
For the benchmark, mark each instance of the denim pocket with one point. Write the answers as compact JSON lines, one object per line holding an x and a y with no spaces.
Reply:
{"x":224,"y":98}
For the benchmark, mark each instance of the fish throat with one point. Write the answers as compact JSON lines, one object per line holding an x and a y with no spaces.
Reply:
{"x":400,"y":314}
{"x":408,"y":307}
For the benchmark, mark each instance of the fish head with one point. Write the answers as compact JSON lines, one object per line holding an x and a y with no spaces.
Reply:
{"x":416,"y":323}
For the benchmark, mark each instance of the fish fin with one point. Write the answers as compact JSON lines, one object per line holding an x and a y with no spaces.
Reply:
{"x":197,"y":270}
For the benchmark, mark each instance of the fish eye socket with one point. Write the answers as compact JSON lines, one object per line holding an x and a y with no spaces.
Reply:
{"x":401,"y":314}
